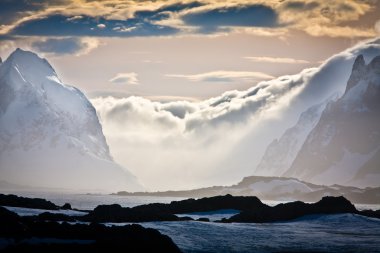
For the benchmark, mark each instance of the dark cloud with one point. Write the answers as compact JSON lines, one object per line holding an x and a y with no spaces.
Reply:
{"x":11,"y":10}
{"x":142,"y":24}
{"x":60,"y":46}
{"x":250,"y":15}
{"x":60,"y":25}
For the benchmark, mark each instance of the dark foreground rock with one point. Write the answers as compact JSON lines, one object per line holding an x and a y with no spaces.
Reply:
{"x":251,"y":210}
{"x":293,"y":210}
{"x":25,"y":235}
{"x":36,"y":203}
{"x":166,"y":212}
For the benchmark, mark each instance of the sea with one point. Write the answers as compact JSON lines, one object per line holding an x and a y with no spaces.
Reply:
{"x":315,"y":233}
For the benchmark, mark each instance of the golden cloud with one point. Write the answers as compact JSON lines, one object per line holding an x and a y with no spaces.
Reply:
{"x":315,"y":17}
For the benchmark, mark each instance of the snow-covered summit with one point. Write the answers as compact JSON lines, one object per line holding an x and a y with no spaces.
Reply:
{"x":344,"y":147}
{"x":50,"y":134}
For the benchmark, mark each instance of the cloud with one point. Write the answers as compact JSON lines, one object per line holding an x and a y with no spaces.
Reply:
{"x":254,"y":15}
{"x":224,"y":76}
{"x":11,"y":11}
{"x":377,"y":27}
{"x":133,"y":18}
{"x":183,"y":144}
{"x":63,"y":46}
{"x":275,"y":60}
{"x":328,"y":18}
{"x":60,"y":25}
{"x":125,"y":78}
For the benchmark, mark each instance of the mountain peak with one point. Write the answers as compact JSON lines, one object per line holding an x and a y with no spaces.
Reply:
{"x":29,"y":68}
{"x":358,"y":69}
{"x":51,"y":135}
{"x":375,"y":63}
{"x":26,"y":60}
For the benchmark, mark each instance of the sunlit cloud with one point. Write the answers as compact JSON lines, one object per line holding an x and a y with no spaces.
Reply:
{"x":223,"y":76}
{"x":327,"y":18}
{"x":275,"y":60}
{"x":377,"y":27}
{"x":125,"y":78}
{"x":168,"y":18}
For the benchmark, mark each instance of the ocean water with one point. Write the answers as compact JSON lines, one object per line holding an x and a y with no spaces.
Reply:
{"x":330,"y":233}
{"x":327,"y":233}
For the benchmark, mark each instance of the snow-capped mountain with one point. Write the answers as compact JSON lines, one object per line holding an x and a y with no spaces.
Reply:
{"x":280,"y":153}
{"x":50,"y":135}
{"x":344,"y":147}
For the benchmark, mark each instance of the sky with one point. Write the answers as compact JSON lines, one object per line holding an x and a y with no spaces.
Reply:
{"x":192,"y":50}
{"x":199,"y":87}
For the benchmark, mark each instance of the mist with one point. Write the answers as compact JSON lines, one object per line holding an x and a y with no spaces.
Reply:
{"x":185,"y":145}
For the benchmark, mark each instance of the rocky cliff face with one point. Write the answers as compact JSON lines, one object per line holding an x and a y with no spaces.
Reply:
{"x":344,"y":147}
{"x":280,"y":154}
{"x":50,"y":135}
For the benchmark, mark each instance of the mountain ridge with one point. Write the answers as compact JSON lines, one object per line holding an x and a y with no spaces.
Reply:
{"x":50,"y":133}
{"x":346,"y":139}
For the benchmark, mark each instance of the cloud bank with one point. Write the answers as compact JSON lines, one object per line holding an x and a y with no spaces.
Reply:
{"x":182,"y":144}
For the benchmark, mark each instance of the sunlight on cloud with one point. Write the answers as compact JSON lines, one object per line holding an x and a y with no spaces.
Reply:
{"x":125,"y":78}
{"x":316,"y":17}
{"x":377,"y":27}
{"x":275,"y":60}
{"x":325,"y":18}
{"x":224,"y":76}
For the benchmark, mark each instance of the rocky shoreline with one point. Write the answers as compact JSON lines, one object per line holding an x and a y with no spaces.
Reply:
{"x":51,"y":231}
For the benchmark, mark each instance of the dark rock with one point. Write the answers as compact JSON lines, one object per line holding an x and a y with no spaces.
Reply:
{"x":166,"y":212}
{"x":66,"y":206}
{"x":10,"y":223}
{"x":358,"y":69}
{"x":186,"y":218}
{"x":375,"y":64}
{"x":44,"y":236}
{"x":293,"y":210}
{"x":116,"y":213}
{"x":16,"y":201}
{"x":46,"y":216}
{"x":204,"y":219}
{"x":370,"y":213}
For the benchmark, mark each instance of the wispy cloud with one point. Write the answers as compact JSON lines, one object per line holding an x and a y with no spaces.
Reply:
{"x":125,"y":78}
{"x":66,"y":46}
{"x":275,"y":60}
{"x":224,"y":76}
